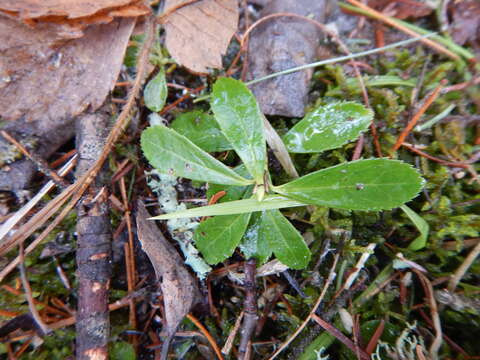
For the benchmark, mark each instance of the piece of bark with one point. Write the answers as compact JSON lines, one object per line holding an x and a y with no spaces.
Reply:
{"x":282,"y":43}
{"x":93,"y":245}
{"x":198,"y":34}
{"x":178,"y":287}
{"x":45,"y":82}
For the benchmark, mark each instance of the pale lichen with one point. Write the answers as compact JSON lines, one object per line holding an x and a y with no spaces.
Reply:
{"x":181,"y":230}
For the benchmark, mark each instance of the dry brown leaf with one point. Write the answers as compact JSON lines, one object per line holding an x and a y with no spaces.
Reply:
{"x":466,"y":21}
{"x":178,"y":286}
{"x":44,"y":78}
{"x":69,"y":17}
{"x":402,"y":9}
{"x":45,"y":82}
{"x":198,"y":34}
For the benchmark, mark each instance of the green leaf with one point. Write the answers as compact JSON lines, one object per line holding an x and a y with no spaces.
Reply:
{"x":422,"y":226}
{"x":218,"y":237}
{"x":155,"y":93}
{"x":285,"y":241}
{"x":328,"y":127}
{"x":239,"y":117}
{"x":201,"y":129}
{"x":374,"y":184}
{"x":255,"y":243}
{"x":232,"y":192}
{"x":173,"y":154}
{"x":234,"y":207}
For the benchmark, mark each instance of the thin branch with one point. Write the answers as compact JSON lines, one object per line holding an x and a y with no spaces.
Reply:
{"x":28,"y":292}
{"x":339,"y":336}
{"x":250,"y":309}
{"x":462,"y":269}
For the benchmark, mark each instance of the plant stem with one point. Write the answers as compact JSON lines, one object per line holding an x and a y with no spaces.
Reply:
{"x":250,"y":309}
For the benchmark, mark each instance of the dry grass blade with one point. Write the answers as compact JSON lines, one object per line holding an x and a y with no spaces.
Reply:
{"x":11,"y":222}
{"x":279,"y":149}
{"x":437,"y":342}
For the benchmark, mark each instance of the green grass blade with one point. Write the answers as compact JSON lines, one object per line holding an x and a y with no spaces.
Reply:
{"x":422,"y":226}
{"x":234,"y":207}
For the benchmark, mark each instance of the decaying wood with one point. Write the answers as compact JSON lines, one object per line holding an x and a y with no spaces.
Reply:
{"x":178,"y":287}
{"x":198,"y":34}
{"x":93,"y":245}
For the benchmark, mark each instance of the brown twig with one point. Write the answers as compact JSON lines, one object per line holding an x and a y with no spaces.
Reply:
{"x":205,"y":332}
{"x":250,"y":309}
{"x":411,"y":124}
{"x":28,"y":292}
{"x":112,"y":307}
{"x":372,"y":344}
{"x":174,"y":104}
{"x":339,"y":336}
{"x":433,"y":158}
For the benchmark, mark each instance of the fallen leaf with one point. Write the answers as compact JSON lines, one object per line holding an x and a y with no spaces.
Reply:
{"x":465,"y":25}
{"x":46,"y":81}
{"x":178,"y":286}
{"x":70,"y":17}
{"x":198,"y":34}
{"x":402,"y":9}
